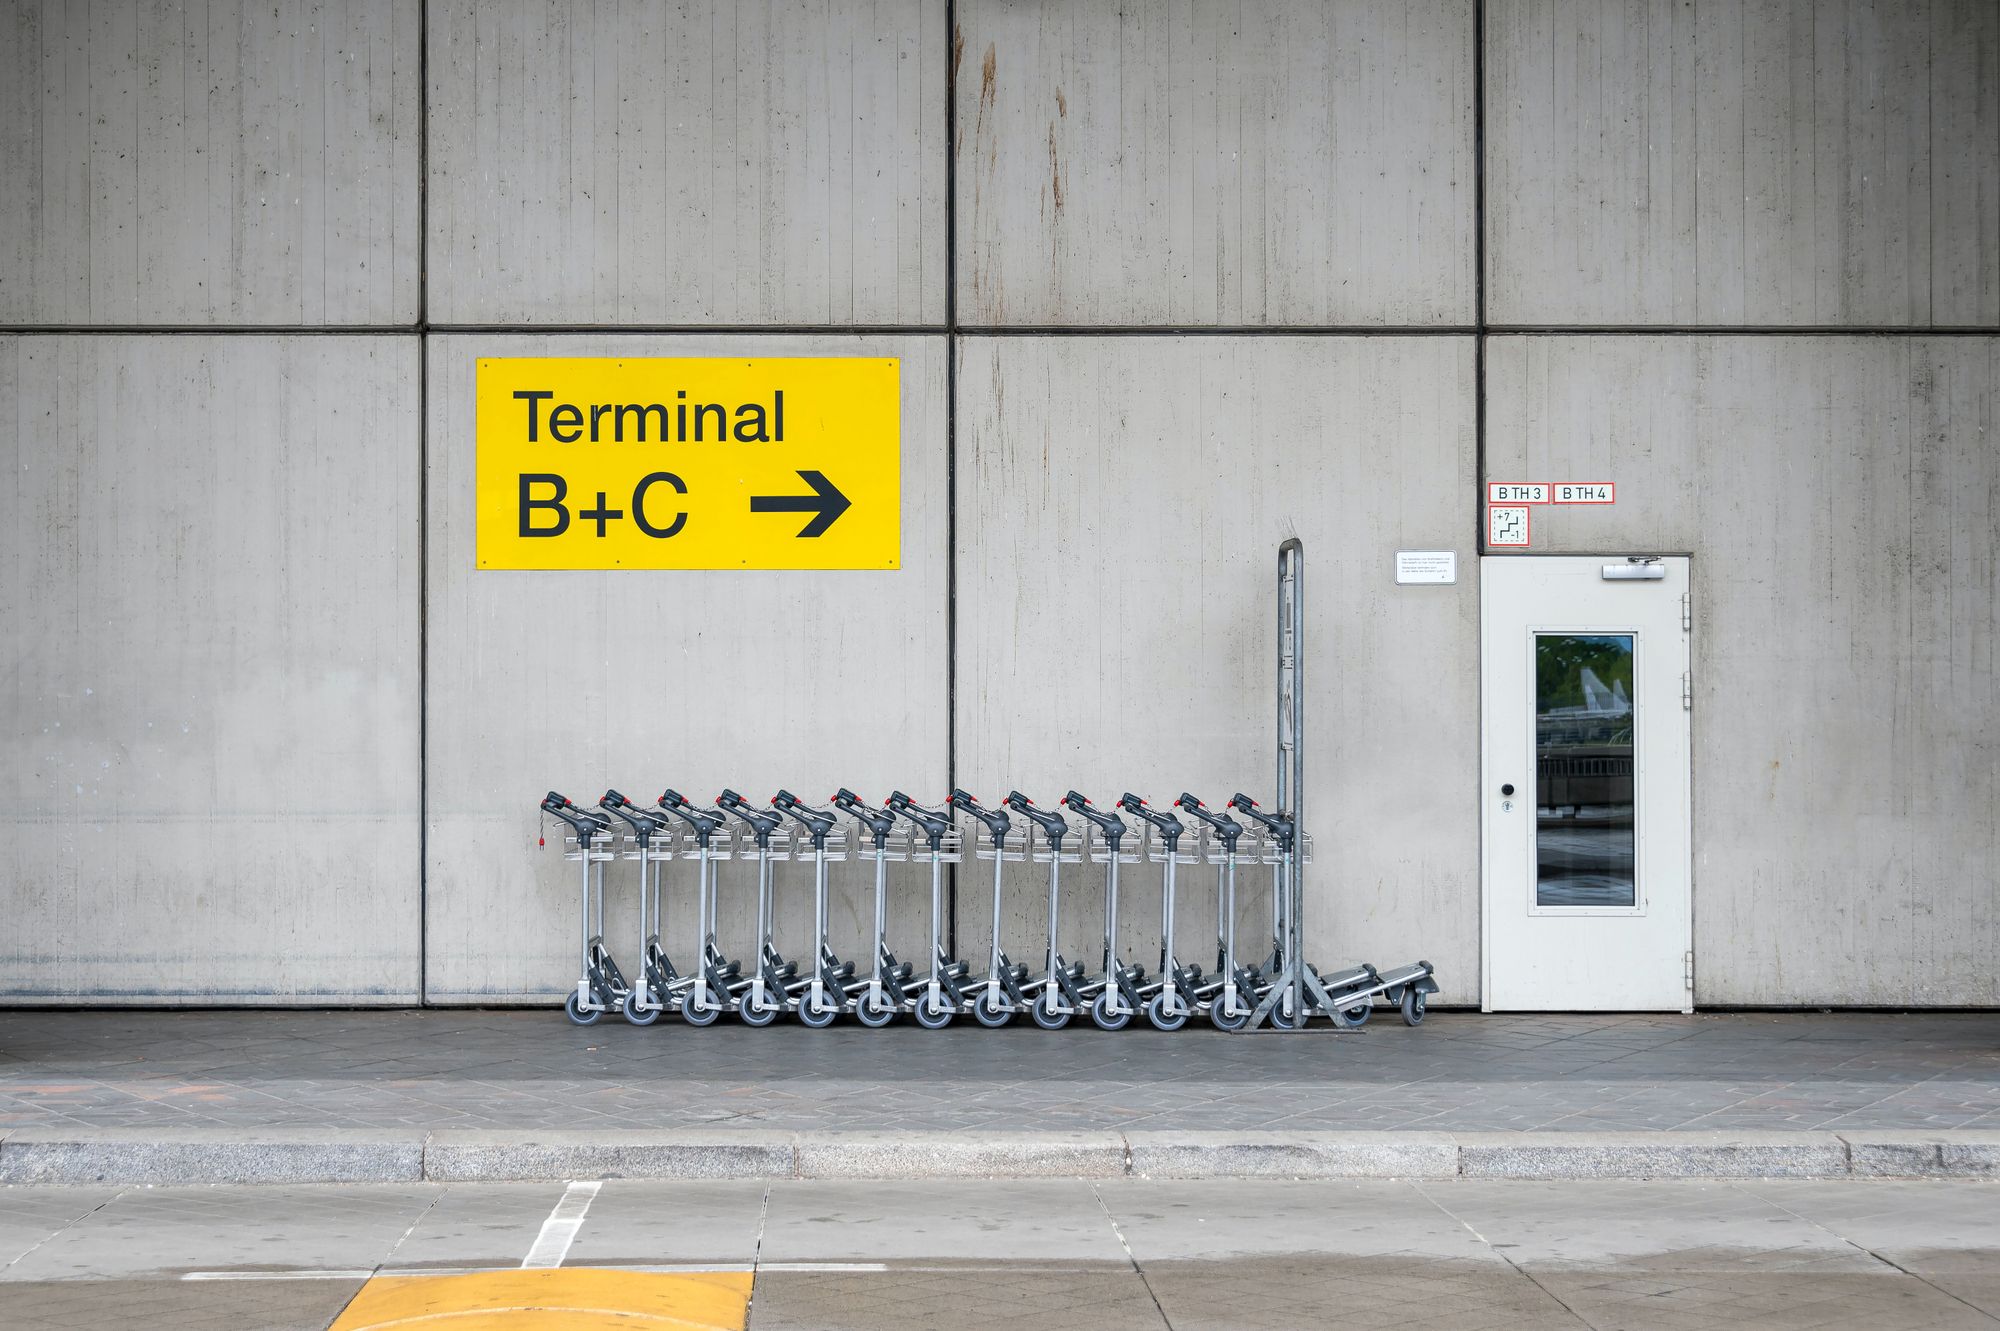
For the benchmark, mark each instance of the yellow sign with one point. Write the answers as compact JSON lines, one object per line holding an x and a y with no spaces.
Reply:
{"x":632,"y":462}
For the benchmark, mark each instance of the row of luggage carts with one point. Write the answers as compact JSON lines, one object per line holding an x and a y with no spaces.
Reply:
{"x":1235,"y":994}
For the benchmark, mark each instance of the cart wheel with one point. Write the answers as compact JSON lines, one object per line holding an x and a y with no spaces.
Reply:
{"x":694,"y":1016}
{"x":1413,"y":1006}
{"x":1227,"y":1021}
{"x":1106,"y":1019}
{"x":870,"y":1013}
{"x":1353,"y":1018}
{"x":1156,"y":1012}
{"x":638,"y":1016}
{"x":1281,"y":1020}
{"x":578,"y":1013}
{"x":1045,"y":1013}
{"x":758,"y":1016}
{"x":816,"y":1016}
{"x":990,"y":1014}
{"x":932,"y":1013}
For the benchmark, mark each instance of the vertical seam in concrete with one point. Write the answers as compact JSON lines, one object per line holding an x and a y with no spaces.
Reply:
{"x":1478,"y":277}
{"x":1479,"y":477}
{"x":951,"y":436}
{"x":1118,"y":1232}
{"x":423,"y":502}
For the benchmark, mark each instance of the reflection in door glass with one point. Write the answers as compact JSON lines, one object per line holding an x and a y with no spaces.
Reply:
{"x":1583,"y":770}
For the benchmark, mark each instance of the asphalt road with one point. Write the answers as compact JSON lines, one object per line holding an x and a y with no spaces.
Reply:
{"x":1107,"y":1255}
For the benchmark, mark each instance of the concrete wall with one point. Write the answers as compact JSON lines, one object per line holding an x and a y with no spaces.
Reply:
{"x":220,"y":163}
{"x":1169,"y":220}
{"x":208,"y":744}
{"x":1743,"y":162}
{"x":1842,"y":500}
{"x":755,"y":681}
{"x":1275,"y":162}
{"x":635,"y":161}
{"x":1121,"y":505}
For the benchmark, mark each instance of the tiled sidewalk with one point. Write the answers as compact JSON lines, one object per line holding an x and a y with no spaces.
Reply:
{"x":1459,"y":1072}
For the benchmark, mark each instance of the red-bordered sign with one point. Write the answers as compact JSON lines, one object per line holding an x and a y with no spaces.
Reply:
{"x":1584,"y":492}
{"x":1508,"y":525}
{"x":1516,"y":493}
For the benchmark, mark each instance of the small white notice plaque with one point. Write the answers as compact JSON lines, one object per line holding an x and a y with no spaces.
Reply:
{"x":1426,"y":566}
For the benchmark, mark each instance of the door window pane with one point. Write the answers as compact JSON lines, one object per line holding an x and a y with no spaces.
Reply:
{"x":1584,"y":839}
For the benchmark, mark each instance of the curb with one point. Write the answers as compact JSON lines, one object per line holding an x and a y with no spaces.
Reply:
{"x":329,"y":1155}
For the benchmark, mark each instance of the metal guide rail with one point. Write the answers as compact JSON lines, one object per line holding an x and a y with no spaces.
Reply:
{"x":674,"y":850}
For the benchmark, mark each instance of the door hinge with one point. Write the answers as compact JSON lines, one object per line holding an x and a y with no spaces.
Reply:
{"x":1687,"y":690}
{"x":1687,"y":612}
{"x":1687,"y":968}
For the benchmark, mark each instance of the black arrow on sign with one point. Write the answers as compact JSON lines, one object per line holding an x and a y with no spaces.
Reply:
{"x":826,"y":502}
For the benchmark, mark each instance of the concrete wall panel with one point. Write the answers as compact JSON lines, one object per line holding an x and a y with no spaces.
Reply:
{"x":219,"y":163}
{"x":1121,"y":501}
{"x":1842,"y":500}
{"x":643,"y":680}
{"x":635,"y":161}
{"x":1278,"y":162}
{"x":1743,"y":162}
{"x":209,"y":749}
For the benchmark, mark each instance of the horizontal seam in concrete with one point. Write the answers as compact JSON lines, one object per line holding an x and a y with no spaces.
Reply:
{"x":996,"y":330}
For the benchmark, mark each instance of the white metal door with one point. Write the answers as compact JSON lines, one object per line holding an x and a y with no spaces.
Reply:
{"x":1586,"y":809}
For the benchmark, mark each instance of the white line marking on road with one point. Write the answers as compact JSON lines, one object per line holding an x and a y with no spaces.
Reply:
{"x":559,"y":1230}
{"x":355,"y":1273}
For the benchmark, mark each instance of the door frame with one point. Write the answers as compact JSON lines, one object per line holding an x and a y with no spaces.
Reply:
{"x":1486,"y":938}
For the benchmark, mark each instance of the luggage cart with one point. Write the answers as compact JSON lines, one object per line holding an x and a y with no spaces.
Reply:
{"x":720,"y":984}
{"x":774,"y":981}
{"x":888,"y":987}
{"x":829,"y":991}
{"x":1004,"y":991}
{"x":1167,"y":1006}
{"x":1060,"y":994}
{"x":1116,"y":993}
{"x":1228,"y":993}
{"x":602,"y":987}
{"x":939,"y":996}
{"x":659,"y":985}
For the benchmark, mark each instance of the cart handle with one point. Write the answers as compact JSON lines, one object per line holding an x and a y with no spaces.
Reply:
{"x":879,"y":825}
{"x":1279,"y":824}
{"x":703,"y":821}
{"x":1225,"y":827}
{"x":934,"y":823}
{"x":996,"y":820}
{"x":583,"y":822}
{"x":1110,"y":824}
{"x":1052,"y":824}
{"x":761,"y":824}
{"x":644,"y":823}
{"x":817,"y":822}
{"x":1168,"y":826}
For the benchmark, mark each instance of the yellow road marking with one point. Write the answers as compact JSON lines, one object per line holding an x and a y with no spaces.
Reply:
{"x":575,"y":1298}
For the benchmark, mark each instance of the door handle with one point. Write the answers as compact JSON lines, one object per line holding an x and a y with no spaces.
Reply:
{"x":1507,"y":789}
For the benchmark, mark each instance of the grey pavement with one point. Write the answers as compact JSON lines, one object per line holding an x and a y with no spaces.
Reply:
{"x":1116,"y":1253}
{"x":1459,"y":1072}
{"x":289,"y":1096}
